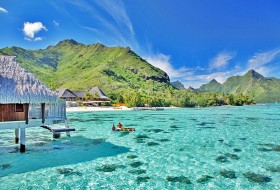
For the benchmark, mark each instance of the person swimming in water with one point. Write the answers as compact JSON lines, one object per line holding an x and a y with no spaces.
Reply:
{"x":121,"y":127}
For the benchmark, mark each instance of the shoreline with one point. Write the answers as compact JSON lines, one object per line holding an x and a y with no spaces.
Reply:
{"x":93,"y":109}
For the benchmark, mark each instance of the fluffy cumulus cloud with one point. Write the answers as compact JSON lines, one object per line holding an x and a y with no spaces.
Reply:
{"x":30,"y":29}
{"x":2,"y":10}
{"x":163,"y":62}
{"x":221,"y":60}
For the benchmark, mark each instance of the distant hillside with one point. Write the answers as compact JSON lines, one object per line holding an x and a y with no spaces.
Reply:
{"x":263,"y":89}
{"x":76,"y":66}
{"x":177,"y":84}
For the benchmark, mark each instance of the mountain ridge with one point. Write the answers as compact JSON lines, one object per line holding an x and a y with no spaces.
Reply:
{"x":252,"y":83}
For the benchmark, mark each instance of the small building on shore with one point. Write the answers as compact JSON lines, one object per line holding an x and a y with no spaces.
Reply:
{"x":94,"y":97}
{"x":25,"y":101}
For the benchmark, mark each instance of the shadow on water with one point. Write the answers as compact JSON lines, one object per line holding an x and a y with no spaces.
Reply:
{"x":67,"y":151}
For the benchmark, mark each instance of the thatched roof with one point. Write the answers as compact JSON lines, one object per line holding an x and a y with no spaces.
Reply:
{"x":20,"y":86}
{"x":100,"y":92}
{"x":66,"y":93}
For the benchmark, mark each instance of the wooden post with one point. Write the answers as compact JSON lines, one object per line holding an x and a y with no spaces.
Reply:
{"x":22,"y":140}
{"x":26,"y":111}
{"x":16,"y":135}
{"x":43,"y":105}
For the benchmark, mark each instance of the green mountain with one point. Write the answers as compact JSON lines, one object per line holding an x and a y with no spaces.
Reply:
{"x":212,"y":86}
{"x":263,"y":89}
{"x":76,"y":66}
{"x":177,"y":84}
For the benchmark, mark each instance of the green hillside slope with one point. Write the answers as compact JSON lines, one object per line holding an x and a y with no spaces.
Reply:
{"x":70,"y":64}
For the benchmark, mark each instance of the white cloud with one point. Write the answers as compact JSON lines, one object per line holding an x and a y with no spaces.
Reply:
{"x":163,"y":62}
{"x":264,"y":62}
{"x":56,"y":23}
{"x":221,"y":60}
{"x":2,"y":10}
{"x":38,"y":39}
{"x":30,"y":29}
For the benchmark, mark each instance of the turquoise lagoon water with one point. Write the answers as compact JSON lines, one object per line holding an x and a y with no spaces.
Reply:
{"x":199,"y":148}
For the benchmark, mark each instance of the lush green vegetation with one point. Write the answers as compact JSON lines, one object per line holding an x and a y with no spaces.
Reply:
{"x":119,"y":72}
{"x":253,"y":84}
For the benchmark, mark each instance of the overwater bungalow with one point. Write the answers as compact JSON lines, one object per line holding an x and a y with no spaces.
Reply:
{"x":25,"y":101}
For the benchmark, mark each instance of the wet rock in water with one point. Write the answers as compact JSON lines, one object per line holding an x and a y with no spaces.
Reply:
{"x":163,"y":140}
{"x":142,"y":179}
{"x":137,"y":171}
{"x":221,"y":159}
{"x":136,"y":164}
{"x":264,"y":149}
{"x":204,"y":179}
{"x":180,"y":179}
{"x":258,"y":178}
{"x":274,"y":169}
{"x":5,"y":166}
{"x":237,"y":150}
{"x":232,"y":156}
{"x":228,"y":174}
{"x":132,"y":156}
{"x":152,"y":144}
{"x":108,"y":168}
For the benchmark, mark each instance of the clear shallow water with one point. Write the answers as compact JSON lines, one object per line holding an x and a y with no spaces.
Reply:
{"x":182,"y":143}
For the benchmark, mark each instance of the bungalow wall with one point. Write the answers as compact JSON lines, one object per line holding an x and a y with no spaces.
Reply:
{"x":12,"y":112}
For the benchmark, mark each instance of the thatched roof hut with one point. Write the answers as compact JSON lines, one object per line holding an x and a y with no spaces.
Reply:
{"x":99,"y":92}
{"x":20,"y":86}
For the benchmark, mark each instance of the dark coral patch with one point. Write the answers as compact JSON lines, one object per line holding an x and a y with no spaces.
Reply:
{"x":180,"y":179}
{"x":5,"y":166}
{"x":232,"y":156}
{"x":108,"y":167}
{"x":136,"y":164}
{"x":258,"y":178}
{"x":204,"y":179}
{"x":228,"y":174}
{"x":274,"y":169}
{"x":155,"y":130}
{"x":237,"y":150}
{"x":68,"y":171}
{"x":152,"y":144}
{"x":137,"y":171}
{"x":132,"y":156}
{"x":163,"y":140}
{"x":221,"y":159}
{"x":142,"y":179}
{"x":262,"y":149}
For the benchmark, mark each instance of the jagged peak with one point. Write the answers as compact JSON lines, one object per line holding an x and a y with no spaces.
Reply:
{"x":254,"y":74}
{"x":68,"y":41}
{"x":214,"y":81}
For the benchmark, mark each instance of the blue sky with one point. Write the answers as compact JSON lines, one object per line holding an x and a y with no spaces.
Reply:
{"x":193,"y":41}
